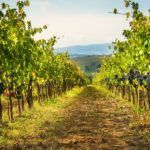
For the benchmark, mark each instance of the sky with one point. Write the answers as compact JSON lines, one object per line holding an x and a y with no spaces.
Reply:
{"x":79,"y":22}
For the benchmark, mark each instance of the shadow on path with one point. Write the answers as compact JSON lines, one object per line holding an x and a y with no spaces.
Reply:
{"x":92,"y":122}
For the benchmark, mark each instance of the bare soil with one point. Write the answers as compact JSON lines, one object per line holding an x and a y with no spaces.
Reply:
{"x":93,"y":121}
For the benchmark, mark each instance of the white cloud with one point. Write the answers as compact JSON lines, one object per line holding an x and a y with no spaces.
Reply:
{"x":79,"y":28}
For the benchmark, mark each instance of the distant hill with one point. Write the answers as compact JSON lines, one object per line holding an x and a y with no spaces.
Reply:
{"x":86,"y":50}
{"x":88,"y":64}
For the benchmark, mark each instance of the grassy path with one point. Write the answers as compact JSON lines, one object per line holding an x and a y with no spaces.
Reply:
{"x":88,"y":120}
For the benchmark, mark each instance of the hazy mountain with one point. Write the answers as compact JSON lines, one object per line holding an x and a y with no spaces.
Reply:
{"x":86,"y":50}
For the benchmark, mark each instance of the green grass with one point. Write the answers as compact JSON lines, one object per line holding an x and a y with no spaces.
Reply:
{"x":32,"y":122}
{"x":124,"y":102}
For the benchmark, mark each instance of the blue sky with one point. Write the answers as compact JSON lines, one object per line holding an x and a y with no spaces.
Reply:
{"x":79,"y":22}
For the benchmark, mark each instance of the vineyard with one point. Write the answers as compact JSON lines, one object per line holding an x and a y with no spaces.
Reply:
{"x":45,"y":99}
{"x":28,"y":68}
{"x":127,"y":71}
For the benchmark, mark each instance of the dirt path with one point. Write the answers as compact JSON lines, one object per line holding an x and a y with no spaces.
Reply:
{"x":93,"y":122}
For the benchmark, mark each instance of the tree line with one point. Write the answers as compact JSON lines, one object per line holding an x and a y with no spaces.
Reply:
{"x":29,"y":69}
{"x":127,"y":70}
